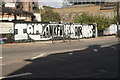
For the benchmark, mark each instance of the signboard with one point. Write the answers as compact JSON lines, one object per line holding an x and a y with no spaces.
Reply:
{"x":6,"y":28}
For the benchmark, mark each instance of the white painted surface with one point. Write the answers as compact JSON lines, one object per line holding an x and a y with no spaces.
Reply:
{"x":17,"y":75}
{"x":10,"y":5}
{"x":105,"y":45}
{"x":95,"y":50}
{"x":41,"y":55}
{"x":1,"y":57}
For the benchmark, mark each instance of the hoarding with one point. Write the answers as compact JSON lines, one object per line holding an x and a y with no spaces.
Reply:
{"x":6,"y":28}
{"x":47,"y":31}
{"x":111,"y":30}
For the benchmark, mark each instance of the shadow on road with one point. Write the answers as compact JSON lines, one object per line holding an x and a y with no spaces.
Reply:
{"x":93,"y":62}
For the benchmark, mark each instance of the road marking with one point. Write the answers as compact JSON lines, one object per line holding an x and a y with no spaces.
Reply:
{"x":1,"y":78}
{"x":95,"y":50}
{"x":104,"y":45}
{"x":102,"y":71}
{"x":1,"y":57}
{"x":41,"y":55}
{"x":17,"y":75}
{"x":70,"y":53}
{"x":113,"y":47}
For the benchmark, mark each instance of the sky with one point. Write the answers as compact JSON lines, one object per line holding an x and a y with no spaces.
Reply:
{"x":52,"y":3}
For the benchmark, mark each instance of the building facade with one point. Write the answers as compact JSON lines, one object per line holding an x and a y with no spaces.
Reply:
{"x":74,"y":8}
{"x":26,"y":5}
{"x":69,"y":13}
{"x":18,"y":10}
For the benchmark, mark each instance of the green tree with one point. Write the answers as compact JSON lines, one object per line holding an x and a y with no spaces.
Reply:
{"x":2,"y":4}
{"x":102,"y":22}
{"x":114,"y":20}
{"x":49,"y":16}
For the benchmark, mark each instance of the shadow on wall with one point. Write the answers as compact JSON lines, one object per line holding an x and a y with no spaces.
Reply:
{"x":93,"y":62}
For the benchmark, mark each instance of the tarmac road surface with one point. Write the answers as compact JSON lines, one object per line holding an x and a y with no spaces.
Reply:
{"x":96,"y":58}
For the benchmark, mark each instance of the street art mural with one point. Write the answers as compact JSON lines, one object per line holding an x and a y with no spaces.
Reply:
{"x":47,"y":31}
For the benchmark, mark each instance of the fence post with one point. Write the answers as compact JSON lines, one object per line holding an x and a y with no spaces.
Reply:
{"x":69,"y":33}
{"x":118,"y":19}
{"x":63,"y":33}
{"x":52,"y":33}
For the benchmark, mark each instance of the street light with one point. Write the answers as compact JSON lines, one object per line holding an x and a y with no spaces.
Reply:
{"x":63,"y":5}
{"x":118,"y":19}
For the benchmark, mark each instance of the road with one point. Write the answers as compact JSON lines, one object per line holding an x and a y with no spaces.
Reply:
{"x":96,"y":58}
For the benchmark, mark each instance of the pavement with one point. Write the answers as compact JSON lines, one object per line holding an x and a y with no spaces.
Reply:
{"x":59,"y":41}
{"x":61,"y":59}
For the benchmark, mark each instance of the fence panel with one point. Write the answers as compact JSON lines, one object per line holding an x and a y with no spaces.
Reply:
{"x":52,"y":31}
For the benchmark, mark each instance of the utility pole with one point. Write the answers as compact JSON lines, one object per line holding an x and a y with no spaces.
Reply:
{"x":52,"y":33}
{"x":118,"y":19}
{"x":63,"y":21}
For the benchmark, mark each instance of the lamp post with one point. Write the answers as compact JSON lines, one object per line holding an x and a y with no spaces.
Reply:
{"x":118,"y":19}
{"x":64,"y":4}
{"x":63,"y":22}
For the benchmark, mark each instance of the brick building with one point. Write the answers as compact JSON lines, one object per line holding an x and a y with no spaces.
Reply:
{"x":69,"y":13}
{"x":73,"y":8}
{"x":26,"y":5}
{"x":18,"y":10}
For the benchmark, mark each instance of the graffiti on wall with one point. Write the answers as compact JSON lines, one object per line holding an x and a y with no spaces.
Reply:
{"x":47,"y":31}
